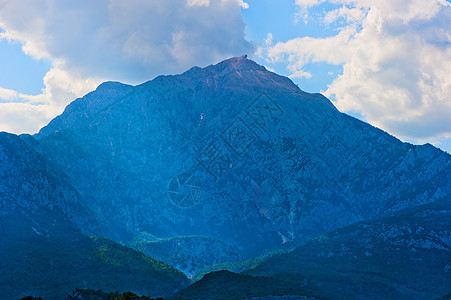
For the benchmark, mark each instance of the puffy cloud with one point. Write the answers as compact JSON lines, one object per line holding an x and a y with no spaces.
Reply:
{"x":308,"y":3}
{"x":23,"y":117}
{"x":199,"y":2}
{"x":301,"y":74}
{"x":396,"y":59}
{"x":243,"y":4}
{"x":7,"y":94}
{"x":131,"y":41}
{"x":207,"y":3}
{"x":22,"y":113}
{"x":128,"y":40}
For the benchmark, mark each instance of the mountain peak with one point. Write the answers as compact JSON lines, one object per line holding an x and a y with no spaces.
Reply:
{"x":239,"y":64}
{"x":230,"y":65}
{"x":239,"y":72}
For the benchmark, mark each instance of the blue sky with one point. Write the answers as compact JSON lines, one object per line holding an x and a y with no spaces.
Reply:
{"x":385,"y":62}
{"x":19,"y":71}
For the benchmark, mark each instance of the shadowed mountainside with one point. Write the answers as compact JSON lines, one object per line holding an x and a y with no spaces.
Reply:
{"x":42,"y":251}
{"x":235,"y":153}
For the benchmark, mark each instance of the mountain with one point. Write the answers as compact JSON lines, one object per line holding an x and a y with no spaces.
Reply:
{"x":42,"y":251}
{"x":187,"y":253}
{"x":227,"y":285}
{"x":232,"y":153}
{"x":28,"y":184}
{"x":218,"y":165}
{"x":406,"y":255}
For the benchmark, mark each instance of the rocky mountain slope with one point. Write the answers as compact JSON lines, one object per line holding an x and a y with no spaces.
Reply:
{"x":234,"y":153}
{"x":187,"y":253}
{"x":406,"y":255}
{"x":42,"y":251}
{"x":29,"y":184}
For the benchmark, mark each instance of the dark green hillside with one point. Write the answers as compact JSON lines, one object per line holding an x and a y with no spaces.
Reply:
{"x":228,"y":285}
{"x":403,"y":256}
{"x":43,"y":253}
{"x":52,"y":262}
{"x":236,"y":267}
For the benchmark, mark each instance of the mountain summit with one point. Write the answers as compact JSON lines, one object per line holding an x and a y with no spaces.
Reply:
{"x":233,"y":159}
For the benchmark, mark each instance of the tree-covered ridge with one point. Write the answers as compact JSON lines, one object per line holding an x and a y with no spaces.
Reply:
{"x":114,"y":254}
{"x":87,"y":294}
{"x":402,"y":256}
{"x":52,"y":263}
{"x":236,"y":267}
{"x":227,"y":285}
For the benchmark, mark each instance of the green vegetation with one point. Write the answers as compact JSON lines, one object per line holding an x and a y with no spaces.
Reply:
{"x":402,"y":256}
{"x":88,"y":294}
{"x":188,"y":253}
{"x":236,"y":267}
{"x":54,"y":263}
{"x":132,"y":296}
{"x":116,"y":255}
{"x":228,"y":285}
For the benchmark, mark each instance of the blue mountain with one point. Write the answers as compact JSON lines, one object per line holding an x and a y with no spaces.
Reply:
{"x":233,"y":153}
{"x":215,"y":165}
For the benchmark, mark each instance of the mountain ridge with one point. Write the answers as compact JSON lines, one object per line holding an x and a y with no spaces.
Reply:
{"x":307,"y":143}
{"x":235,"y":153}
{"x":407,"y":253}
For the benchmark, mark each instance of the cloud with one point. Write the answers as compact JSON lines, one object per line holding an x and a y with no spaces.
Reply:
{"x":7,"y":94}
{"x":301,"y":74}
{"x":132,"y":41}
{"x":22,"y":113}
{"x":207,"y":3}
{"x":199,"y":2}
{"x":23,"y":117}
{"x":128,"y":40}
{"x":396,"y":59}
{"x":243,"y":4}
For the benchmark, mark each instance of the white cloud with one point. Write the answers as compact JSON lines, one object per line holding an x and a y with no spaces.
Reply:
{"x":350,"y":15}
{"x":301,"y":74}
{"x":396,"y":58}
{"x":308,"y":3}
{"x":22,"y":113}
{"x":198,"y":2}
{"x":243,"y":4}
{"x":23,"y":117}
{"x":7,"y":94}
{"x":131,"y":41}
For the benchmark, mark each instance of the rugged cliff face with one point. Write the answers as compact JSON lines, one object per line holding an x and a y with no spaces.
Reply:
{"x":29,"y":186}
{"x":235,"y":153}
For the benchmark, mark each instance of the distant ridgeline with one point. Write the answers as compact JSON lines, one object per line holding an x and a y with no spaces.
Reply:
{"x":214,"y":169}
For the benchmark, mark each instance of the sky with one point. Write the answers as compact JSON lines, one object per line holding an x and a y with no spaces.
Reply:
{"x":385,"y":62}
